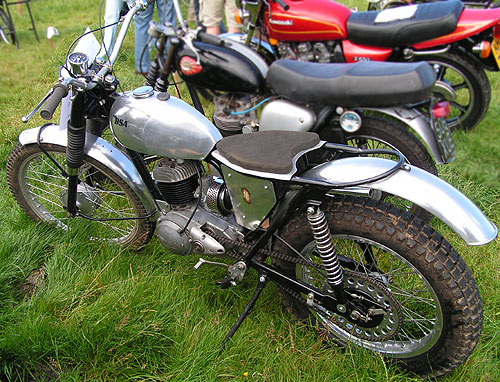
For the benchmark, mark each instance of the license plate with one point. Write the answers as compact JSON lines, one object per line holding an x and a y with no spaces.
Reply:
{"x":446,"y":144}
{"x":495,"y":47}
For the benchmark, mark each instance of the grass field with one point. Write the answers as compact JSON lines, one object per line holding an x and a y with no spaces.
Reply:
{"x":74,"y":310}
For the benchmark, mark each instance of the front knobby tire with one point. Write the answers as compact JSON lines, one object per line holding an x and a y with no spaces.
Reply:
{"x":470,"y":83}
{"x":396,"y":261}
{"x":379,"y":133}
{"x":39,"y":188}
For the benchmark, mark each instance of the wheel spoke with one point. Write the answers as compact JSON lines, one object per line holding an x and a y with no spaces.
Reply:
{"x":441,"y":72}
{"x":463,"y":109}
{"x":42,"y":188}
{"x":460,"y":86}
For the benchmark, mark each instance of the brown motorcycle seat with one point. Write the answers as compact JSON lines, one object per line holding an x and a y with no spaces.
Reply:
{"x":368,"y":83}
{"x":429,"y":21}
{"x":266,"y":151}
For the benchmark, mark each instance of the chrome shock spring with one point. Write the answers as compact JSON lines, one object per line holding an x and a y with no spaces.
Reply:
{"x":324,"y":245}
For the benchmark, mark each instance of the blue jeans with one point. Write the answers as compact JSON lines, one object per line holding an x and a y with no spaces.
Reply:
{"x":166,"y":13}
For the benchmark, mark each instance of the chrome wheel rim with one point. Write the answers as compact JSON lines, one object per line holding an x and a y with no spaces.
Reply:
{"x":464,"y":102}
{"x":44,"y":188}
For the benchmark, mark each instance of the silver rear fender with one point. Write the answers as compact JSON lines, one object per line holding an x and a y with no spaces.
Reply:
{"x":416,"y":185}
{"x":101,"y":151}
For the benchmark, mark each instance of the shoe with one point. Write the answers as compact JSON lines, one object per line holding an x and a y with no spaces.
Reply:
{"x":144,"y":74}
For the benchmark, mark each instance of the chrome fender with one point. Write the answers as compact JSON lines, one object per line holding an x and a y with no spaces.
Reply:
{"x":103,"y":152}
{"x":418,"y":123}
{"x":417,"y":186}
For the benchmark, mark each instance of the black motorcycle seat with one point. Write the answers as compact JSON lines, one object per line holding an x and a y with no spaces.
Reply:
{"x":430,"y":20}
{"x":368,"y":83}
{"x":266,"y":151}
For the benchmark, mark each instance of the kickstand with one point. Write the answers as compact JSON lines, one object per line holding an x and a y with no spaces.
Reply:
{"x":260,"y":286}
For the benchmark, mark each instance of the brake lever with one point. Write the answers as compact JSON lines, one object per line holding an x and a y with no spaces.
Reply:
{"x":26,"y":118}
{"x":188,"y":40}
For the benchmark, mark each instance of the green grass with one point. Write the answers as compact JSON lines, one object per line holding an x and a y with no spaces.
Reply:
{"x":105,"y":313}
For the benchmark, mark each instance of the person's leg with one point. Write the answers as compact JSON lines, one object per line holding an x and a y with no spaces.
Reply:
{"x":161,"y":9}
{"x":230,"y":9}
{"x":170,"y":16}
{"x":211,"y":15}
{"x":141,"y":38}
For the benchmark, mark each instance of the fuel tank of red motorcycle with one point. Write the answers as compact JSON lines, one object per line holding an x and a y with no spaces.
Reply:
{"x":219,"y":68}
{"x":307,"y":20}
{"x":158,"y":124}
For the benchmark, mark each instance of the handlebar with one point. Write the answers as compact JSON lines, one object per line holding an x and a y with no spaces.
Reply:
{"x":283,"y":5}
{"x":210,"y":39}
{"x":59,"y":91}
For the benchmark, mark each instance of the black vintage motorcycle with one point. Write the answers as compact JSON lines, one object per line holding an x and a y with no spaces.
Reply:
{"x":345,"y":103}
{"x":363,"y":270}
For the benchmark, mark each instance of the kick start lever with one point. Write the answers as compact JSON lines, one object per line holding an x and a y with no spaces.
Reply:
{"x":202,"y":261}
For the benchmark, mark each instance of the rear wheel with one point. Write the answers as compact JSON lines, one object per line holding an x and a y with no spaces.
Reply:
{"x":378,"y":133}
{"x":415,"y":299}
{"x":471,"y":86}
{"x":40,"y":190}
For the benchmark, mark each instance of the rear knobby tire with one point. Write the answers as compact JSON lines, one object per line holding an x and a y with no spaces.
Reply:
{"x":414,"y":264}
{"x":37,"y":185}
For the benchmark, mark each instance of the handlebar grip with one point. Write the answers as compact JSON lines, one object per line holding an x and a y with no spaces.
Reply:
{"x":60,"y":91}
{"x":283,"y":5}
{"x":210,"y":39}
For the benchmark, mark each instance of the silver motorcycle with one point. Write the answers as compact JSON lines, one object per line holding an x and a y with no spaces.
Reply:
{"x":364,"y":271}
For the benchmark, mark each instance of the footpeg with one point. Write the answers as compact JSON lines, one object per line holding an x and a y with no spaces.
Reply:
{"x":226,"y":282}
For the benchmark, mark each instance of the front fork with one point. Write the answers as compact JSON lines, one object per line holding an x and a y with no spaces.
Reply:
{"x":75,"y":150}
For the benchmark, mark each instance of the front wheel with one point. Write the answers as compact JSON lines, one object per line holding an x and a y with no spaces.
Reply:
{"x":411,"y":296}
{"x":471,"y":86}
{"x":39,"y":188}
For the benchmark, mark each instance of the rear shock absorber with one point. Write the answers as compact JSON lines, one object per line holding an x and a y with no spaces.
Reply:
{"x":326,"y":250}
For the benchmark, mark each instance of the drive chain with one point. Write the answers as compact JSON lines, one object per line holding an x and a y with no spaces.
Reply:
{"x":262,"y":251}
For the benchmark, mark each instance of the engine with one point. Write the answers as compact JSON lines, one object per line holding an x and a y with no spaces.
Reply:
{"x":308,"y":51}
{"x":233,"y":114}
{"x":195,"y":223}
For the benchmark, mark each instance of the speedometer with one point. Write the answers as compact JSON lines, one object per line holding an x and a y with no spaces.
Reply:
{"x":79,"y":63}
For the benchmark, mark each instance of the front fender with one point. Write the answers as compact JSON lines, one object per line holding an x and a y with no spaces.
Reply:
{"x":101,"y":151}
{"x":416,"y":185}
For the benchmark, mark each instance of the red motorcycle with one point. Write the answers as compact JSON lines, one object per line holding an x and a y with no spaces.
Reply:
{"x":385,"y":4}
{"x":460,"y":43}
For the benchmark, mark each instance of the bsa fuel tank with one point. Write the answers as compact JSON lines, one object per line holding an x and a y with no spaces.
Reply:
{"x":221,"y":68}
{"x":156,"y":123}
{"x":318,"y":20}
